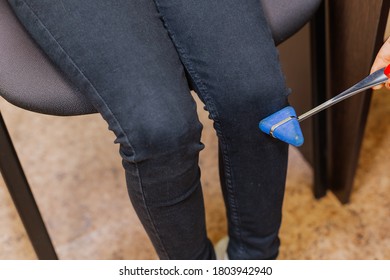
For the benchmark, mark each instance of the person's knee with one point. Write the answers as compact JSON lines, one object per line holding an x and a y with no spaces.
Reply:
{"x":242,"y":110}
{"x":151,"y":140}
{"x":162,"y":163}
{"x":252,"y":94}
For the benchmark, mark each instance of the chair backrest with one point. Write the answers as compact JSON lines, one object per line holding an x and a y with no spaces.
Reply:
{"x":30,"y":81}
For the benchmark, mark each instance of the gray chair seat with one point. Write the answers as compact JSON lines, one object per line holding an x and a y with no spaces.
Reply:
{"x":30,"y":81}
{"x":27,"y":78}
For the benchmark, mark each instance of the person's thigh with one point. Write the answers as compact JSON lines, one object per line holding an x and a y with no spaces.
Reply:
{"x":120,"y":55}
{"x":227,"y":49}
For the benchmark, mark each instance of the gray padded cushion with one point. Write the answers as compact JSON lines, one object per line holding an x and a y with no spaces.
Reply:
{"x":29,"y":80}
{"x":285,"y":17}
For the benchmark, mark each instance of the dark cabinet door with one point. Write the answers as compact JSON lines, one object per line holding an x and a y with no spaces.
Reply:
{"x":356,"y":30}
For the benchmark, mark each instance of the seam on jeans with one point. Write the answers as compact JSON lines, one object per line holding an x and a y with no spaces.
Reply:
{"x":107,"y":108}
{"x":215,"y":116}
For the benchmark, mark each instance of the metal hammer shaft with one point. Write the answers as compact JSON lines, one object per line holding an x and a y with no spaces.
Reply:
{"x":378,"y":77}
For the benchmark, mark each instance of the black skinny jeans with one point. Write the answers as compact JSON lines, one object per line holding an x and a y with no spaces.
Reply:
{"x":134,"y":60}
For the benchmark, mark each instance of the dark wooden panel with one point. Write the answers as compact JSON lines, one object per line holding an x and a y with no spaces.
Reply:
{"x":304,"y":64}
{"x":356,"y":30}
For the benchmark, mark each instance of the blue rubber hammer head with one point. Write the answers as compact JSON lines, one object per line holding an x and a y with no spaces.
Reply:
{"x":283,"y":125}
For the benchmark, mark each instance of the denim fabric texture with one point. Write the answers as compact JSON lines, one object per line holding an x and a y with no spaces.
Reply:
{"x":134,"y":60}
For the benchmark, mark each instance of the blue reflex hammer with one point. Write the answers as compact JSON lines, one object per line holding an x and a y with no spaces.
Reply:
{"x":284,"y":124}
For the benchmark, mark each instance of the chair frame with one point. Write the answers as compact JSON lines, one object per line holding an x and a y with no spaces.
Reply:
{"x":23,"y":198}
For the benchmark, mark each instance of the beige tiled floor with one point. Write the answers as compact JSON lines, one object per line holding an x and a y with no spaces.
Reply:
{"x":76,"y":175}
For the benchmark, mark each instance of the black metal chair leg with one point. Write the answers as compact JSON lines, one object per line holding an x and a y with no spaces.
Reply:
{"x":23,"y":198}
